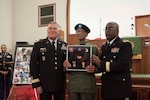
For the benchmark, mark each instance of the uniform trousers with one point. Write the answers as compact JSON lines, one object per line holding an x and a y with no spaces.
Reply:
{"x":56,"y":95}
{"x":82,"y":96}
{"x":5,"y":85}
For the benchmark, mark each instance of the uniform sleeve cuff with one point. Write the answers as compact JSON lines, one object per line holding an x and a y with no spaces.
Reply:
{"x":107,"y":66}
{"x":35,"y":80}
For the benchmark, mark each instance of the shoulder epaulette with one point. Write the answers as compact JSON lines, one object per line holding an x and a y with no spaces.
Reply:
{"x":104,"y":43}
{"x":127,"y":41}
{"x":38,"y":41}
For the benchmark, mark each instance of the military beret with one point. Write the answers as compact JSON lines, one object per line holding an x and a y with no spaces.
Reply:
{"x":82,"y":26}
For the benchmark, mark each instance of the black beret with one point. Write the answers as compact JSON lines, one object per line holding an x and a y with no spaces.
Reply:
{"x":82,"y":26}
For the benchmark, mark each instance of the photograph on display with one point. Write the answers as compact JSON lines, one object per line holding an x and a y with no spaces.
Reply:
{"x":21,"y":73}
{"x":79,"y":57}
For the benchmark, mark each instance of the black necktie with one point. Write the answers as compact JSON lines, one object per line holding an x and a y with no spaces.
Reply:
{"x":53,"y":45}
{"x":107,"y":45}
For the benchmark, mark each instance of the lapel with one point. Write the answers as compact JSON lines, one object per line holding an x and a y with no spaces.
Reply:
{"x":59,"y":45}
{"x":116,"y":42}
{"x":48,"y":45}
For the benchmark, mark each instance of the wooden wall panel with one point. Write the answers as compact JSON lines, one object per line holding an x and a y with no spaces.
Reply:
{"x":145,"y":62}
{"x":72,"y":39}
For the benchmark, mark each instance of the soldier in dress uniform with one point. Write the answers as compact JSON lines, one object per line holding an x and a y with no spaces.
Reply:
{"x":114,"y":63}
{"x":46,"y":65}
{"x":5,"y":72}
{"x":82,"y":84}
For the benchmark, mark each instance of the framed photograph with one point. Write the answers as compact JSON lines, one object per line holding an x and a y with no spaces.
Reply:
{"x":21,"y":74}
{"x":79,"y":57}
{"x":46,"y":14}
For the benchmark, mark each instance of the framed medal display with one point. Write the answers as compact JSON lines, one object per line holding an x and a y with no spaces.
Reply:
{"x":21,"y":74}
{"x":79,"y":57}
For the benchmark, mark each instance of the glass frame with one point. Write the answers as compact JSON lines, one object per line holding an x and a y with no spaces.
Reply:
{"x":79,"y":57}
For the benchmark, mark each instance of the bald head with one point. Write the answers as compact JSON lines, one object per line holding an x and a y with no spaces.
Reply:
{"x":111,"y":30}
{"x":3,"y":48}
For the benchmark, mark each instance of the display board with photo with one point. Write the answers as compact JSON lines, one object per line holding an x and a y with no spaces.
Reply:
{"x":21,"y":73}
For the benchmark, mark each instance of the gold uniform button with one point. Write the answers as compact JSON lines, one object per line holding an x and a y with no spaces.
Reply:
{"x":55,"y":58}
{"x":55,"y":67}
{"x":56,"y":63}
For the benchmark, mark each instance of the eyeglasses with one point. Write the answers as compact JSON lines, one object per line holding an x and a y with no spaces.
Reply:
{"x":110,"y":29}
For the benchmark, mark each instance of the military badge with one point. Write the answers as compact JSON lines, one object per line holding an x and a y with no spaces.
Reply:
{"x":115,"y":50}
{"x":83,"y":64}
{"x":43,"y":58}
{"x":63,"y":47}
{"x":42,"y":49}
{"x":74,"y":64}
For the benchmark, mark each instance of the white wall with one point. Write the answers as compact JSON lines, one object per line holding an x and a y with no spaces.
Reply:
{"x":25,"y":19}
{"x":22,"y":25}
{"x":6,"y":24}
{"x":96,"y":13}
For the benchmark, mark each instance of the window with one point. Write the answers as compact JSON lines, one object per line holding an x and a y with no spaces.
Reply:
{"x":47,"y":13}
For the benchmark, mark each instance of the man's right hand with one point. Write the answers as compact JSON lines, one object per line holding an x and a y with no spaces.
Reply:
{"x":39,"y":90}
{"x":66,"y":64}
{"x":95,"y":59}
{"x":4,"y":72}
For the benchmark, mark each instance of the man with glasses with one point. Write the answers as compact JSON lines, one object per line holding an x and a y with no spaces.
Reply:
{"x":114,"y":63}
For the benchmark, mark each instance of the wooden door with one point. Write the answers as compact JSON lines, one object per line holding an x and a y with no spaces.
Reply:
{"x":142,"y":25}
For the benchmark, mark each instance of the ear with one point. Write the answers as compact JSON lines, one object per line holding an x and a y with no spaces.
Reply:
{"x":86,"y":34}
{"x":117,"y":31}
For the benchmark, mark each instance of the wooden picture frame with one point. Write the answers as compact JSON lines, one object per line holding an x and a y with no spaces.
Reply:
{"x":46,"y":14}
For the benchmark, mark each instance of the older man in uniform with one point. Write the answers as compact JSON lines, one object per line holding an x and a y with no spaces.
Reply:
{"x":46,"y":65}
{"x":114,"y":63}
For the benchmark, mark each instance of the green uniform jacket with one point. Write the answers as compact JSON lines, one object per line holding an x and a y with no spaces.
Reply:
{"x":83,"y":82}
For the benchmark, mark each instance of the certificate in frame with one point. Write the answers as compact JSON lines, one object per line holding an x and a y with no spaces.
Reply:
{"x":79,"y":57}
